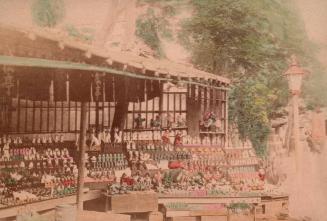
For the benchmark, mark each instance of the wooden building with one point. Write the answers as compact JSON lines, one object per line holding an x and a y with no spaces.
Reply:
{"x":46,"y":77}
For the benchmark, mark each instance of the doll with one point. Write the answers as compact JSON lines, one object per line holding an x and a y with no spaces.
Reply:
{"x":6,"y":149}
{"x":44,"y":140}
{"x":56,"y":140}
{"x":155,"y":123}
{"x":106,"y":138}
{"x":178,"y":139}
{"x":62,"y":138}
{"x":180,"y":121}
{"x":165,"y":137}
{"x":118,"y":136}
{"x":139,"y":121}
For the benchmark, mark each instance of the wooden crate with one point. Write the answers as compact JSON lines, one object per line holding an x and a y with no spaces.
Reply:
{"x":134,"y":202}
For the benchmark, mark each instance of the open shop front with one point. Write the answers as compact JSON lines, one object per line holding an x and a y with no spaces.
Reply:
{"x":75,"y":117}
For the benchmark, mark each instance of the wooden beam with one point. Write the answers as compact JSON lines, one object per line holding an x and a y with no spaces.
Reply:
{"x":47,"y":63}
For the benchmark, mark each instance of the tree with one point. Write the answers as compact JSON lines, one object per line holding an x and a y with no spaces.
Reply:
{"x":315,"y":87}
{"x":48,"y":13}
{"x":248,"y":41}
{"x":153,"y":25}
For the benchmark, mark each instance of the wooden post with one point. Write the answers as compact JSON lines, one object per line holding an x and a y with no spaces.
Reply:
{"x":67,"y":88}
{"x":81,"y":163}
{"x":51,"y":92}
{"x":161,"y":102}
{"x":226,"y":143}
{"x":193,"y":115}
{"x":97,"y":126}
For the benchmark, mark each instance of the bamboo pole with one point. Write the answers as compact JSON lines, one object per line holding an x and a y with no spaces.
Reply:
{"x":81,"y":163}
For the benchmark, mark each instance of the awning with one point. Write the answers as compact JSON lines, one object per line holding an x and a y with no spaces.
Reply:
{"x":49,"y":56}
{"x":50,"y":45}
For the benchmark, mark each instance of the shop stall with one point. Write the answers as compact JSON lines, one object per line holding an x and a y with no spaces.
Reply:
{"x":74,"y":116}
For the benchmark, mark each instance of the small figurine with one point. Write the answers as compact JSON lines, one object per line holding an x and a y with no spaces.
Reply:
{"x":92,"y":141}
{"x":155,"y":123}
{"x":139,"y":121}
{"x":62,"y":138}
{"x":118,"y":136}
{"x":209,"y":121}
{"x":180,"y":121}
{"x":128,"y":145}
{"x":44,"y":140}
{"x":56,"y":140}
{"x":6,"y":154}
{"x":30,"y":165}
{"x":178,"y":139}
{"x":4,"y":139}
{"x":93,"y":160}
{"x":106,"y":136}
{"x":165,"y":137}
{"x":262,"y":174}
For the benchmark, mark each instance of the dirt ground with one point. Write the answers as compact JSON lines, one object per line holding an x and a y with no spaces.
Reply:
{"x":308,"y":192}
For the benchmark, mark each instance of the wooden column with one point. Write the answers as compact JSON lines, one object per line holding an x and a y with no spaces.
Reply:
{"x":97,"y":120}
{"x":121,"y":109}
{"x":161,"y":101}
{"x":81,"y":162}
{"x":226,"y":143}
{"x":51,"y":92}
{"x":193,"y":116}
{"x":67,"y":88}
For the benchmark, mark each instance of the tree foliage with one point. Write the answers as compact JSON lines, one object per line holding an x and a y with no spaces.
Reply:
{"x":250,"y":42}
{"x":83,"y":34}
{"x":48,"y":13}
{"x":153,"y":25}
{"x":314,"y":90}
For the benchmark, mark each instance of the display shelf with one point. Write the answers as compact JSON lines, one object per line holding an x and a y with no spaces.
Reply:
{"x":33,"y":172}
{"x":47,"y":204}
{"x":202,"y":146}
{"x":228,"y":198}
{"x":155,"y":129}
{"x":212,"y":133}
{"x":243,"y":165}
